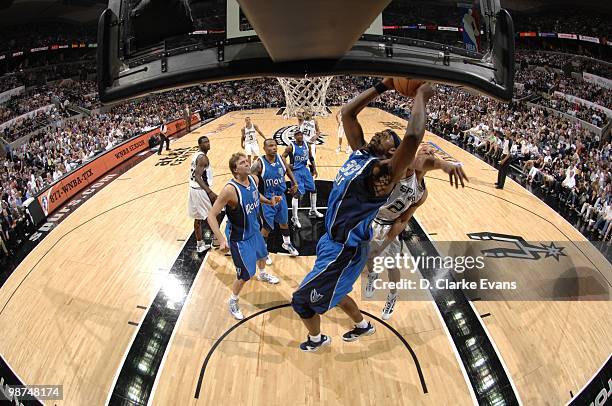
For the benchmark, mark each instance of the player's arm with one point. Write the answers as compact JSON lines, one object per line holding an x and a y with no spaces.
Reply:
{"x":270,"y":202}
{"x":425,"y":162}
{"x":226,"y":197}
{"x":242,"y":138}
{"x":256,"y":169}
{"x":289,"y":172}
{"x":405,"y":153}
{"x":402,"y":221}
{"x":313,"y":165}
{"x":201,"y":165}
{"x":259,"y":132}
{"x":349,"y":112}
{"x":288,"y":151}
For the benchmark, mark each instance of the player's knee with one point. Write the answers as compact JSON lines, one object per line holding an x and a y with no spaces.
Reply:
{"x":301,"y":308}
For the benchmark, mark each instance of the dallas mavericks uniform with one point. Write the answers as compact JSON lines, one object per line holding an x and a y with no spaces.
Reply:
{"x":273,"y":176}
{"x":309,"y":129}
{"x":342,"y":251}
{"x":406,"y":193}
{"x":299,"y":161}
{"x":251,"y":146}
{"x":247,"y":246}
{"x":199,"y":202}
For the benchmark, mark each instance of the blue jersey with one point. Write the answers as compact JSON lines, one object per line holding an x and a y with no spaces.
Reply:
{"x":352,"y":204}
{"x":244,"y":220}
{"x":273,"y":176}
{"x":300,"y":155}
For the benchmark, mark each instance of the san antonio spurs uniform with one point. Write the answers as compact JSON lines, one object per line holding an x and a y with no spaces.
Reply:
{"x":406,"y":193}
{"x":309,"y":129}
{"x":199,"y":202}
{"x":251,"y":146}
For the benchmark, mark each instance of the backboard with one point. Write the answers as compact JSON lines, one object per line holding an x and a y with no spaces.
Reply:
{"x":152,"y":45}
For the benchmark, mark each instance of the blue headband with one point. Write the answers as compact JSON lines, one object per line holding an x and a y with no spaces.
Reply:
{"x":396,"y":139}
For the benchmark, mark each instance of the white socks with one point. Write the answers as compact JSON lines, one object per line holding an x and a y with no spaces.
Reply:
{"x":313,"y":201}
{"x":287,"y":239}
{"x":234,"y":297}
{"x":362,"y":324}
{"x":315,"y":339}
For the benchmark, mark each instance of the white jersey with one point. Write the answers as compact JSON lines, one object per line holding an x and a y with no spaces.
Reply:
{"x":250,"y":135}
{"x":406,"y":193}
{"x":207,"y":175}
{"x":309,"y":129}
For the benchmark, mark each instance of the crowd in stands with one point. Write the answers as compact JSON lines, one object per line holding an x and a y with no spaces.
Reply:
{"x":564,"y":20}
{"x":576,"y":63}
{"x":27,"y":36}
{"x":9,"y":82}
{"x":577,"y":110}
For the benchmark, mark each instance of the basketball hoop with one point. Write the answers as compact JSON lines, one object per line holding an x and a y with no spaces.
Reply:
{"x":305,"y":95}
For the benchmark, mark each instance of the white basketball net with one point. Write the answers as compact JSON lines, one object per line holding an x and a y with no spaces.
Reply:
{"x":305,"y":95}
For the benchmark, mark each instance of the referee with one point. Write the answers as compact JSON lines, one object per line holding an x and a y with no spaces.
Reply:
{"x":163,"y":138}
{"x":507,"y":158}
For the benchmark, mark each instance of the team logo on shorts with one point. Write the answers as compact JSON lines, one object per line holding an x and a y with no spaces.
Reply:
{"x":238,"y":271}
{"x":286,"y":135}
{"x":315,"y":296}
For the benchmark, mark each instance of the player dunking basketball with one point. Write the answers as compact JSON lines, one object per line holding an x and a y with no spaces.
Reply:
{"x":360,"y":188}
{"x":248,"y":141}
{"x":392,"y":218}
{"x":241,"y":200}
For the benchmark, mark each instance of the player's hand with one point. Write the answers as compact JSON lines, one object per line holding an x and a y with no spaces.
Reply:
{"x":426,"y":91}
{"x":276,"y":200}
{"x":212,"y":196}
{"x":455,"y":173}
{"x":293,"y":189}
{"x":223,"y":246}
{"x":388,"y":82}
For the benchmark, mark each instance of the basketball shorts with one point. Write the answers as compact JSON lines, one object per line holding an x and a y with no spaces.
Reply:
{"x":275,"y":214}
{"x":335,"y":271}
{"x":304,"y":180}
{"x":379,"y":232}
{"x":251,"y":148}
{"x":199,"y":203}
{"x":246,"y":253}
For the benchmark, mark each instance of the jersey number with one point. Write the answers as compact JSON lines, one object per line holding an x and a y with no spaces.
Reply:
{"x":396,"y":207}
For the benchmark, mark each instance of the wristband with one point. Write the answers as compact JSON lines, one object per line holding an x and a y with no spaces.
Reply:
{"x":380,"y":88}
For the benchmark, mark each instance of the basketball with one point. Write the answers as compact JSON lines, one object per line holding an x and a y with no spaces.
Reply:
{"x":407,"y":87}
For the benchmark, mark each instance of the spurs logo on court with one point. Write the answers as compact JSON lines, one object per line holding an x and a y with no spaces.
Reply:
{"x":315,"y":296}
{"x":523,"y":249}
{"x":393,"y":125}
{"x":177,"y":156}
{"x":286,"y":135}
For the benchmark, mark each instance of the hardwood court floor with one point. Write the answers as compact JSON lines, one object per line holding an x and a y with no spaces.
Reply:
{"x":64,"y":312}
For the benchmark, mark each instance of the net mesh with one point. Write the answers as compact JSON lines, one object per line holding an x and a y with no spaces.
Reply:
{"x":305,"y":95}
